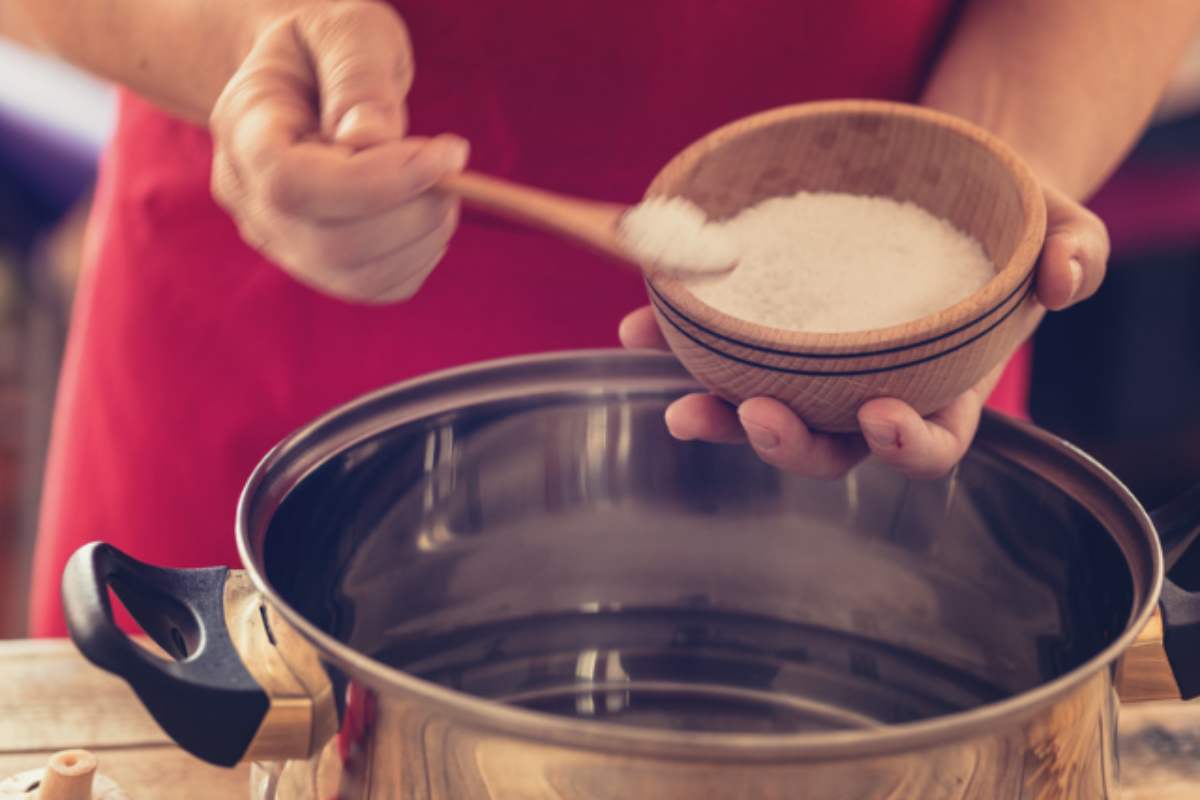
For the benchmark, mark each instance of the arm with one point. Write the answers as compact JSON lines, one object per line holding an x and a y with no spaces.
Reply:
{"x":1182,"y":96}
{"x":177,"y":53}
{"x":306,"y":102}
{"x":1070,"y":84}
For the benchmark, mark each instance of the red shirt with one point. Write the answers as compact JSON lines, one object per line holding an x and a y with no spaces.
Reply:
{"x":190,"y":355}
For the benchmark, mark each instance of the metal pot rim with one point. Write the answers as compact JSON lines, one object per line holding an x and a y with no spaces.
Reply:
{"x":1077,"y":473}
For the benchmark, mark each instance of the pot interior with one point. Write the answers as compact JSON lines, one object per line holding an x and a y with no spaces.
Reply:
{"x":561,"y":552}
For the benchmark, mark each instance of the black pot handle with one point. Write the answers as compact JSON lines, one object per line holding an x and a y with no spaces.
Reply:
{"x":1178,"y":526}
{"x":205,"y":699}
{"x":1181,"y":636}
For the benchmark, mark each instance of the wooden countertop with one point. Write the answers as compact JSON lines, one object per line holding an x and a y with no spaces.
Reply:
{"x":51,"y":700}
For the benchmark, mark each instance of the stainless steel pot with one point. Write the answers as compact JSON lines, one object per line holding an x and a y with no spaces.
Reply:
{"x":507,"y":581}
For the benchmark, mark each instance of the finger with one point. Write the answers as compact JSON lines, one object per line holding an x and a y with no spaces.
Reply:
{"x":406,"y":290}
{"x":276,"y":81}
{"x":391,"y":286}
{"x":225,"y":183}
{"x":705,"y":417}
{"x":394,"y":277}
{"x":321,"y":182}
{"x":781,"y":439}
{"x":639,"y":331}
{"x":345,"y":245}
{"x":258,"y":117}
{"x":362,"y":58}
{"x":1075,"y":254}
{"x":262,"y":236}
{"x":920,"y":448}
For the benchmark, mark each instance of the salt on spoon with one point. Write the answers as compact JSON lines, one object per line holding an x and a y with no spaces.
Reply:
{"x":674,"y":235}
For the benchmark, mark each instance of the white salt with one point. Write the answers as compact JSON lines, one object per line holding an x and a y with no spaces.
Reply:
{"x":673,"y":234}
{"x":831,"y":262}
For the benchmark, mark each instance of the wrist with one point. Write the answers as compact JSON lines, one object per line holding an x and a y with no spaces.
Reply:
{"x":986,"y":108}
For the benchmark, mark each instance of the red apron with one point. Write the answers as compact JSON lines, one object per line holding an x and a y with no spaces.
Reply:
{"x":190,"y":355}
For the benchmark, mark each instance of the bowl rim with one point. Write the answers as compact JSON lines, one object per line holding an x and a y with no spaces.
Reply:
{"x":929,"y":329}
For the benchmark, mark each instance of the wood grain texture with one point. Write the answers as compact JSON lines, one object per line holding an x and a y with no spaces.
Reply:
{"x":52,"y":700}
{"x":936,"y":161}
{"x":163,"y":772}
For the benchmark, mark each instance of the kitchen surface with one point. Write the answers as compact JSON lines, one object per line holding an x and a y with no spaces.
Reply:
{"x":754,"y":545}
{"x":54,"y":700}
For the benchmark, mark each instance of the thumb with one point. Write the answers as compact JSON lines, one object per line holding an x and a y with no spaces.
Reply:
{"x":1075,"y":254}
{"x":363,"y":63}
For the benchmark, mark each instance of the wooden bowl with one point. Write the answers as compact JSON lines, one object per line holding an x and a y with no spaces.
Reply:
{"x":945,"y":165}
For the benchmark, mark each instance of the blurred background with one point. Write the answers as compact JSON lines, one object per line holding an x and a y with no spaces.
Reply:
{"x":1119,"y":375}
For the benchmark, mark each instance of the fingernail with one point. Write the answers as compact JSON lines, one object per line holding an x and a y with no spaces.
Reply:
{"x":671,"y":417}
{"x":1076,"y":270}
{"x":879,"y":432}
{"x":365,"y":123}
{"x":761,"y":437}
{"x":626,"y":333}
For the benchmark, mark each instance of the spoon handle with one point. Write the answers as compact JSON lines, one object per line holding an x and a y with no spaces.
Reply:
{"x":592,"y":224}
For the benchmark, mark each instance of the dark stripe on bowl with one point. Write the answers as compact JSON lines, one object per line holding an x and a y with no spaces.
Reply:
{"x":846,"y":373}
{"x":656,"y":295}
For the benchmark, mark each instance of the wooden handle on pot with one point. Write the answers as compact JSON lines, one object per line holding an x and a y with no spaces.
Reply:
{"x":1143,"y":673}
{"x":68,"y":776}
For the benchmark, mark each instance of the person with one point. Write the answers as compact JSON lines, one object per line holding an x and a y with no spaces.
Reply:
{"x":245,"y":278}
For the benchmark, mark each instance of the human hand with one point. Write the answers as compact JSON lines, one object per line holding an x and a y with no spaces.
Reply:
{"x":312,"y":161}
{"x":1070,"y":269}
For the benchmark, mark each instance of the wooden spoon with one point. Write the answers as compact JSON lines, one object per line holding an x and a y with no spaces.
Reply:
{"x":591,"y":223}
